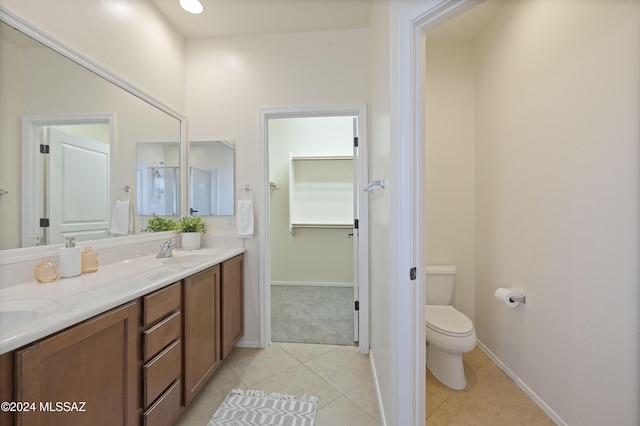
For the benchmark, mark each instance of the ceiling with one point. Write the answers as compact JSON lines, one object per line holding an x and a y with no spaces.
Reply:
{"x":466,"y":27}
{"x":249,"y":17}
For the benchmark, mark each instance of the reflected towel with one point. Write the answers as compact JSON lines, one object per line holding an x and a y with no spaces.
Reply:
{"x":245,"y":219}
{"x":121,"y":218}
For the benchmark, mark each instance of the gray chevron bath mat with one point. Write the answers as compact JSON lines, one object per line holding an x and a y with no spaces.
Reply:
{"x":255,"y":408}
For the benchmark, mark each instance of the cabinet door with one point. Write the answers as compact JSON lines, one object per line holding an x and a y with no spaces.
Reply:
{"x":85,"y":375}
{"x":6,"y":386}
{"x":201,"y":315}
{"x":232,"y":303}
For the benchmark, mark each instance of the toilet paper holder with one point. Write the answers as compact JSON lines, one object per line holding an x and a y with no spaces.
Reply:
{"x":521,"y":298}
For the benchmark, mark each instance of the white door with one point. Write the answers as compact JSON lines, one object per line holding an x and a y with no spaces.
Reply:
{"x":203,"y":194}
{"x":356,"y":232}
{"x":78,"y":191}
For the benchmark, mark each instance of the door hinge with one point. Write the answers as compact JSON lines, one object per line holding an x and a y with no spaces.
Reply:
{"x":357,"y":307}
{"x":356,"y":224}
{"x":412,"y":273}
{"x":44,"y":149}
{"x":355,"y":142}
{"x":44,"y":222}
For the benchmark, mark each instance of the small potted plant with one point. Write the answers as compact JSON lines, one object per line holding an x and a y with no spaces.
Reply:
{"x":160,"y":224}
{"x":191,"y":229}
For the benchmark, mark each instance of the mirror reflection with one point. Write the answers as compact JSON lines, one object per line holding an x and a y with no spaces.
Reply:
{"x":72,"y":187}
{"x":211,"y":178}
{"x":158,"y":178}
{"x":73,"y":205}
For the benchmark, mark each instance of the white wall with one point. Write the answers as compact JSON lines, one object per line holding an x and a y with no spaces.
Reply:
{"x":128,"y":37}
{"x":313,"y":255}
{"x":229,"y":79}
{"x":449,"y":166}
{"x":383,"y":81}
{"x":557,"y":179}
{"x":380,"y":205}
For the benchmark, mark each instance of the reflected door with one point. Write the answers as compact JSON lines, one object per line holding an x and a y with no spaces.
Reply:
{"x":78,"y":192}
{"x":204,"y":194}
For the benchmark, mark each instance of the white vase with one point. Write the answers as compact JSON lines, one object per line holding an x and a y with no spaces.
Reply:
{"x":191,"y":240}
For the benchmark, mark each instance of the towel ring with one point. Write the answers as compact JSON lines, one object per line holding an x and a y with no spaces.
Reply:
{"x":246,"y":191}
{"x":124,"y":194}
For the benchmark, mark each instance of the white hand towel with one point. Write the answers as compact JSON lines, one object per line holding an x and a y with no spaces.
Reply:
{"x":121,"y":218}
{"x":245,"y":219}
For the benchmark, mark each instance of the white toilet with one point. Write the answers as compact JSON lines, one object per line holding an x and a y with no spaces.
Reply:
{"x":450,"y":333}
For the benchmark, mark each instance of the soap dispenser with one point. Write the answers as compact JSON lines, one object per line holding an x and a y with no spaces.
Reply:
{"x":70,"y":259}
{"x":89,"y":260}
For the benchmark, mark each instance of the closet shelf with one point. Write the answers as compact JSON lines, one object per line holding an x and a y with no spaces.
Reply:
{"x":323,"y":225}
{"x":320,"y":158}
{"x":320,"y":192}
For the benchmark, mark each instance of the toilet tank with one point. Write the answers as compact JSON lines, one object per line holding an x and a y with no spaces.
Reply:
{"x":439,"y":283}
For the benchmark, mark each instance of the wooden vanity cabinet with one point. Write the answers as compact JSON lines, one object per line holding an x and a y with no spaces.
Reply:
{"x":201,"y":329}
{"x":6,"y":386}
{"x":161,"y":355}
{"x":231,"y":303}
{"x":92,"y":367}
{"x":140,"y":363}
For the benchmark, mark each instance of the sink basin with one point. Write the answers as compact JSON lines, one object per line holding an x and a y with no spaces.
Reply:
{"x":19,"y":313}
{"x":185,"y":261}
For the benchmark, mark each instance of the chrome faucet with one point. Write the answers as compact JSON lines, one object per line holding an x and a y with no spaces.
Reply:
{"x":167,"y":248}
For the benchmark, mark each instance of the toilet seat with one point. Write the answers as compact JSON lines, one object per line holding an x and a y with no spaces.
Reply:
{"x":448,"y":321}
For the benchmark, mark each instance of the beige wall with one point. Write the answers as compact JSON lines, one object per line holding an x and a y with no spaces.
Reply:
{"x":449,"y":166}
{"x":315,"y":256}
{"x":557,"y":202}
{"x":230,"y":79}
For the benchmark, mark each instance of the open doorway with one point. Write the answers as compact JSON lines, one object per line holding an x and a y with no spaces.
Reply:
{"x":311,"y":228}
{"x":313,"y":289}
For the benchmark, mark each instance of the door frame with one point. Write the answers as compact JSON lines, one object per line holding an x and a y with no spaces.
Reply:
{"x":408,"y":214}
{"x":265,"y":114}
{"x":32,"y":174}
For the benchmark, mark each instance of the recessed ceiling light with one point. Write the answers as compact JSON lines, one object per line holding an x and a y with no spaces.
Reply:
{"x":192,"y":6}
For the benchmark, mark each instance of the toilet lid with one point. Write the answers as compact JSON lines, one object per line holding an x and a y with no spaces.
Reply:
{"x":447,"y":320}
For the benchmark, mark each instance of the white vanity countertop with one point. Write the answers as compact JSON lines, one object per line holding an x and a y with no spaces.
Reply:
{"x":67,"y":301}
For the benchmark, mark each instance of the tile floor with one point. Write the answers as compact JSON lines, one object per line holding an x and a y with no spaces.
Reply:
{"x":491,"y":398}
{"x":339,"y":376}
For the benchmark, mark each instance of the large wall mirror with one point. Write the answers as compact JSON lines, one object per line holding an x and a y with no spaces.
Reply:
{"x":211,"y":177}
{"x":69,"y":141}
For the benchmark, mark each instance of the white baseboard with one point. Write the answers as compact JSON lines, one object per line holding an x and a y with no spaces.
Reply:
{"x":312,"y":284}
{"x":383,"y":421}
{"x":248,"y":344}
{"x":522,"y":385}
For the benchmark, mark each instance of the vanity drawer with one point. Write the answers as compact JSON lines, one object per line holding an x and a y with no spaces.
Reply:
{"x":166,"y":409}
{"x":160,"y":303}
{"x":161,"y":371}
{"x":160,"y":335}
